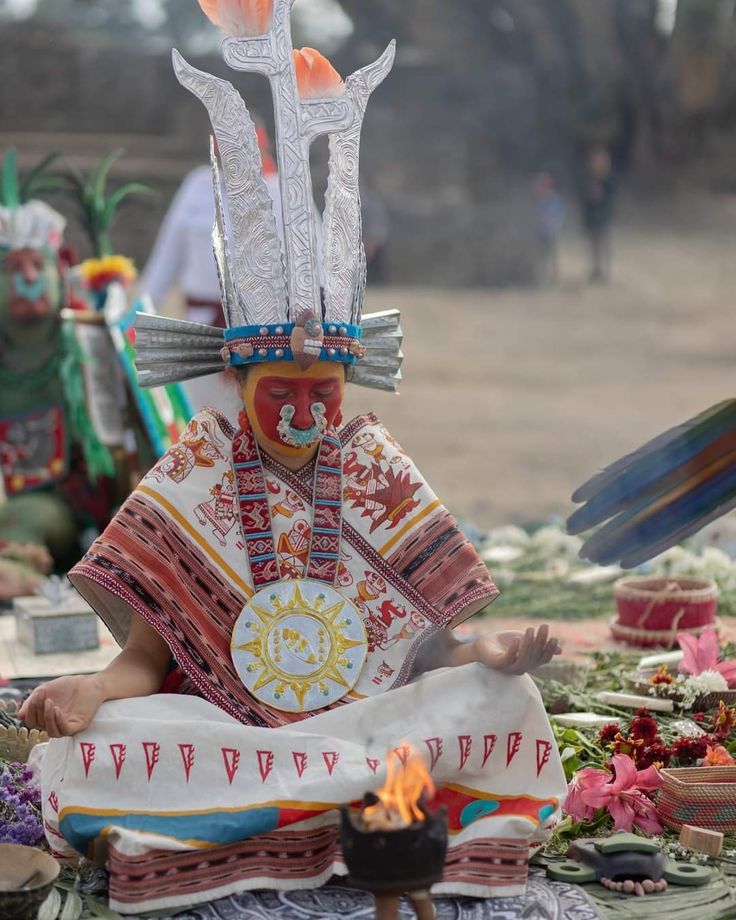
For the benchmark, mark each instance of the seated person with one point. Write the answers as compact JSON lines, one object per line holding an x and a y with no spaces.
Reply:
{"x":300,"y":572}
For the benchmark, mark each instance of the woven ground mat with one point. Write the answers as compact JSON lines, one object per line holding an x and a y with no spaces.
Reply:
{"x":544,"y":900}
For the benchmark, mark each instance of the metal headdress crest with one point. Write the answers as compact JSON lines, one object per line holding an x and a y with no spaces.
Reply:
{"x":274,"y":304}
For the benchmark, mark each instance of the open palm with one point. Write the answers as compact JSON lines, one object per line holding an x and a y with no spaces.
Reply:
{"x":63,"y":706}
{"x":514,"y":652}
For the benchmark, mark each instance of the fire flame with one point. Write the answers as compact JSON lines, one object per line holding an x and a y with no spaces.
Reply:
{"x":407,"y":778}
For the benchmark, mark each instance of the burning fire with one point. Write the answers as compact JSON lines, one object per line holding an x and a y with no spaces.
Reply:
{"x":407,"y":779}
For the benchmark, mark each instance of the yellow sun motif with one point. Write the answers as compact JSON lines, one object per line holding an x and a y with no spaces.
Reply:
{"x":299,"y":645}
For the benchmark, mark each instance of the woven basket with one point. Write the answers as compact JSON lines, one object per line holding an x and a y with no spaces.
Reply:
{"x":701,"y":796}
{"x":703,"y":703}
{"x":651,"y":611}
{"x":17,"y":743}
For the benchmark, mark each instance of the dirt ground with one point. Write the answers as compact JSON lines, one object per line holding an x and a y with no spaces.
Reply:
{"x":511,"y":398}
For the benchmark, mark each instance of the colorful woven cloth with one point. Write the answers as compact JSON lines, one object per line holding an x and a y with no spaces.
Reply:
{"x":176,"y":554}
{"x":194,"y":799}
{"x":191,"y":805}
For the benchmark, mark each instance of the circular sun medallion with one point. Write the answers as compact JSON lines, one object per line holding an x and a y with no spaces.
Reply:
{"x":299,"y":645}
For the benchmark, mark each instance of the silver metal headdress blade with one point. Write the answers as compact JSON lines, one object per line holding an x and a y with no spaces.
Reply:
{"x":380,"y":368}
{"x":171,"y":350}
{"x":258,"y":264}
{"x":345,"y":274}
{"x":220,"y":244}
{"x":298,"y":123}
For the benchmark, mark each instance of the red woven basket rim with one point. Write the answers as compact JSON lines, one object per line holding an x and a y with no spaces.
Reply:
{"x":643,"y":587}
{"x":652,"y":636}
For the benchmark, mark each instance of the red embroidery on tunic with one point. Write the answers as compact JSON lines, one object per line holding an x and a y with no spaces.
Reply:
{"x":513,"y":743}
{"x":465,"y":743}
{"x":265,"y":763}
{"x":187,"y":756}
{"x":231,"y":757}
{"x":489,"y":743}
{"x":152,"y":750}
{"x":435,"y":750}
{"x":330,"y":759}
{"x":544,"y":750}
{"x":88,"y":755}
{"x":118,"y":757}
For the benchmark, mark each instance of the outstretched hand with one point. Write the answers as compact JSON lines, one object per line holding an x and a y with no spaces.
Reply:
{"x":516,"y":652}
{"x":63,"y":706}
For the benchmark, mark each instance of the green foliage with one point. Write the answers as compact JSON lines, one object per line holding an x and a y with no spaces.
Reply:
{"x":15,"y":190}
{"x":98,"y":209}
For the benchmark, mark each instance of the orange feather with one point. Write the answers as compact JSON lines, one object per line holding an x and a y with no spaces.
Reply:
{"x":316,"y":78}
{"x":242,"y":18}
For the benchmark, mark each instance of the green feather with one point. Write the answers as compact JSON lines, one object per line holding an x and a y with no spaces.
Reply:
{"x":98,"y":210}
{"x":119,"y":195}
{"x":36,"y":179}
{"x":9,"y":190}
{"x":98,"y":180}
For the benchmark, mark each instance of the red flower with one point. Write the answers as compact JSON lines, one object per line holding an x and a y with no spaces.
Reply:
{"x":628,"y":746}
{"x":688,"y":750}
{"x":663,"y":676}
{"x":698,"y":717}
{"x":656,"y":754}
{"x":608,"y":734}
{"x":643,"y":726}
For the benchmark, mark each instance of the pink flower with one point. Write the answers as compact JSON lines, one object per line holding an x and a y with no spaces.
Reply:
{"x":701,"y":654}
{"x":622,"y":795}
{"x":584,"y":780}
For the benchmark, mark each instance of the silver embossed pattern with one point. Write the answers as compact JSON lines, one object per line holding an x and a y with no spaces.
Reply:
{"x":344,"y":256}
{"x":258,"y":269}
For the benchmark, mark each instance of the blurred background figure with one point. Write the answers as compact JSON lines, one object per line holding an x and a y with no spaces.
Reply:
{"x":182,"y":260}
{"x":376,"y":230}
{"x":598,"y":192}
{"x":550,"y":216}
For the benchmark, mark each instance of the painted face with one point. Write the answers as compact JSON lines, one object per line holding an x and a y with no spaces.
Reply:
{"x":32,"y":284}
{"x":290,"y":409}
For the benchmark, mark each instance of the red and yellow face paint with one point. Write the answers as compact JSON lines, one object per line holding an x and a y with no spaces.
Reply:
{"x":290,"y":409}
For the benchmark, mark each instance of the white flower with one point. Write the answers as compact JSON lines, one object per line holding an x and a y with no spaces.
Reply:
{"x":553,"y":541}
{"x":700,"y":685}
{"x":508,"y":536}
{"x":594,"y":575}
{"x":557,"y":568}
{"x":501,"y":553}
